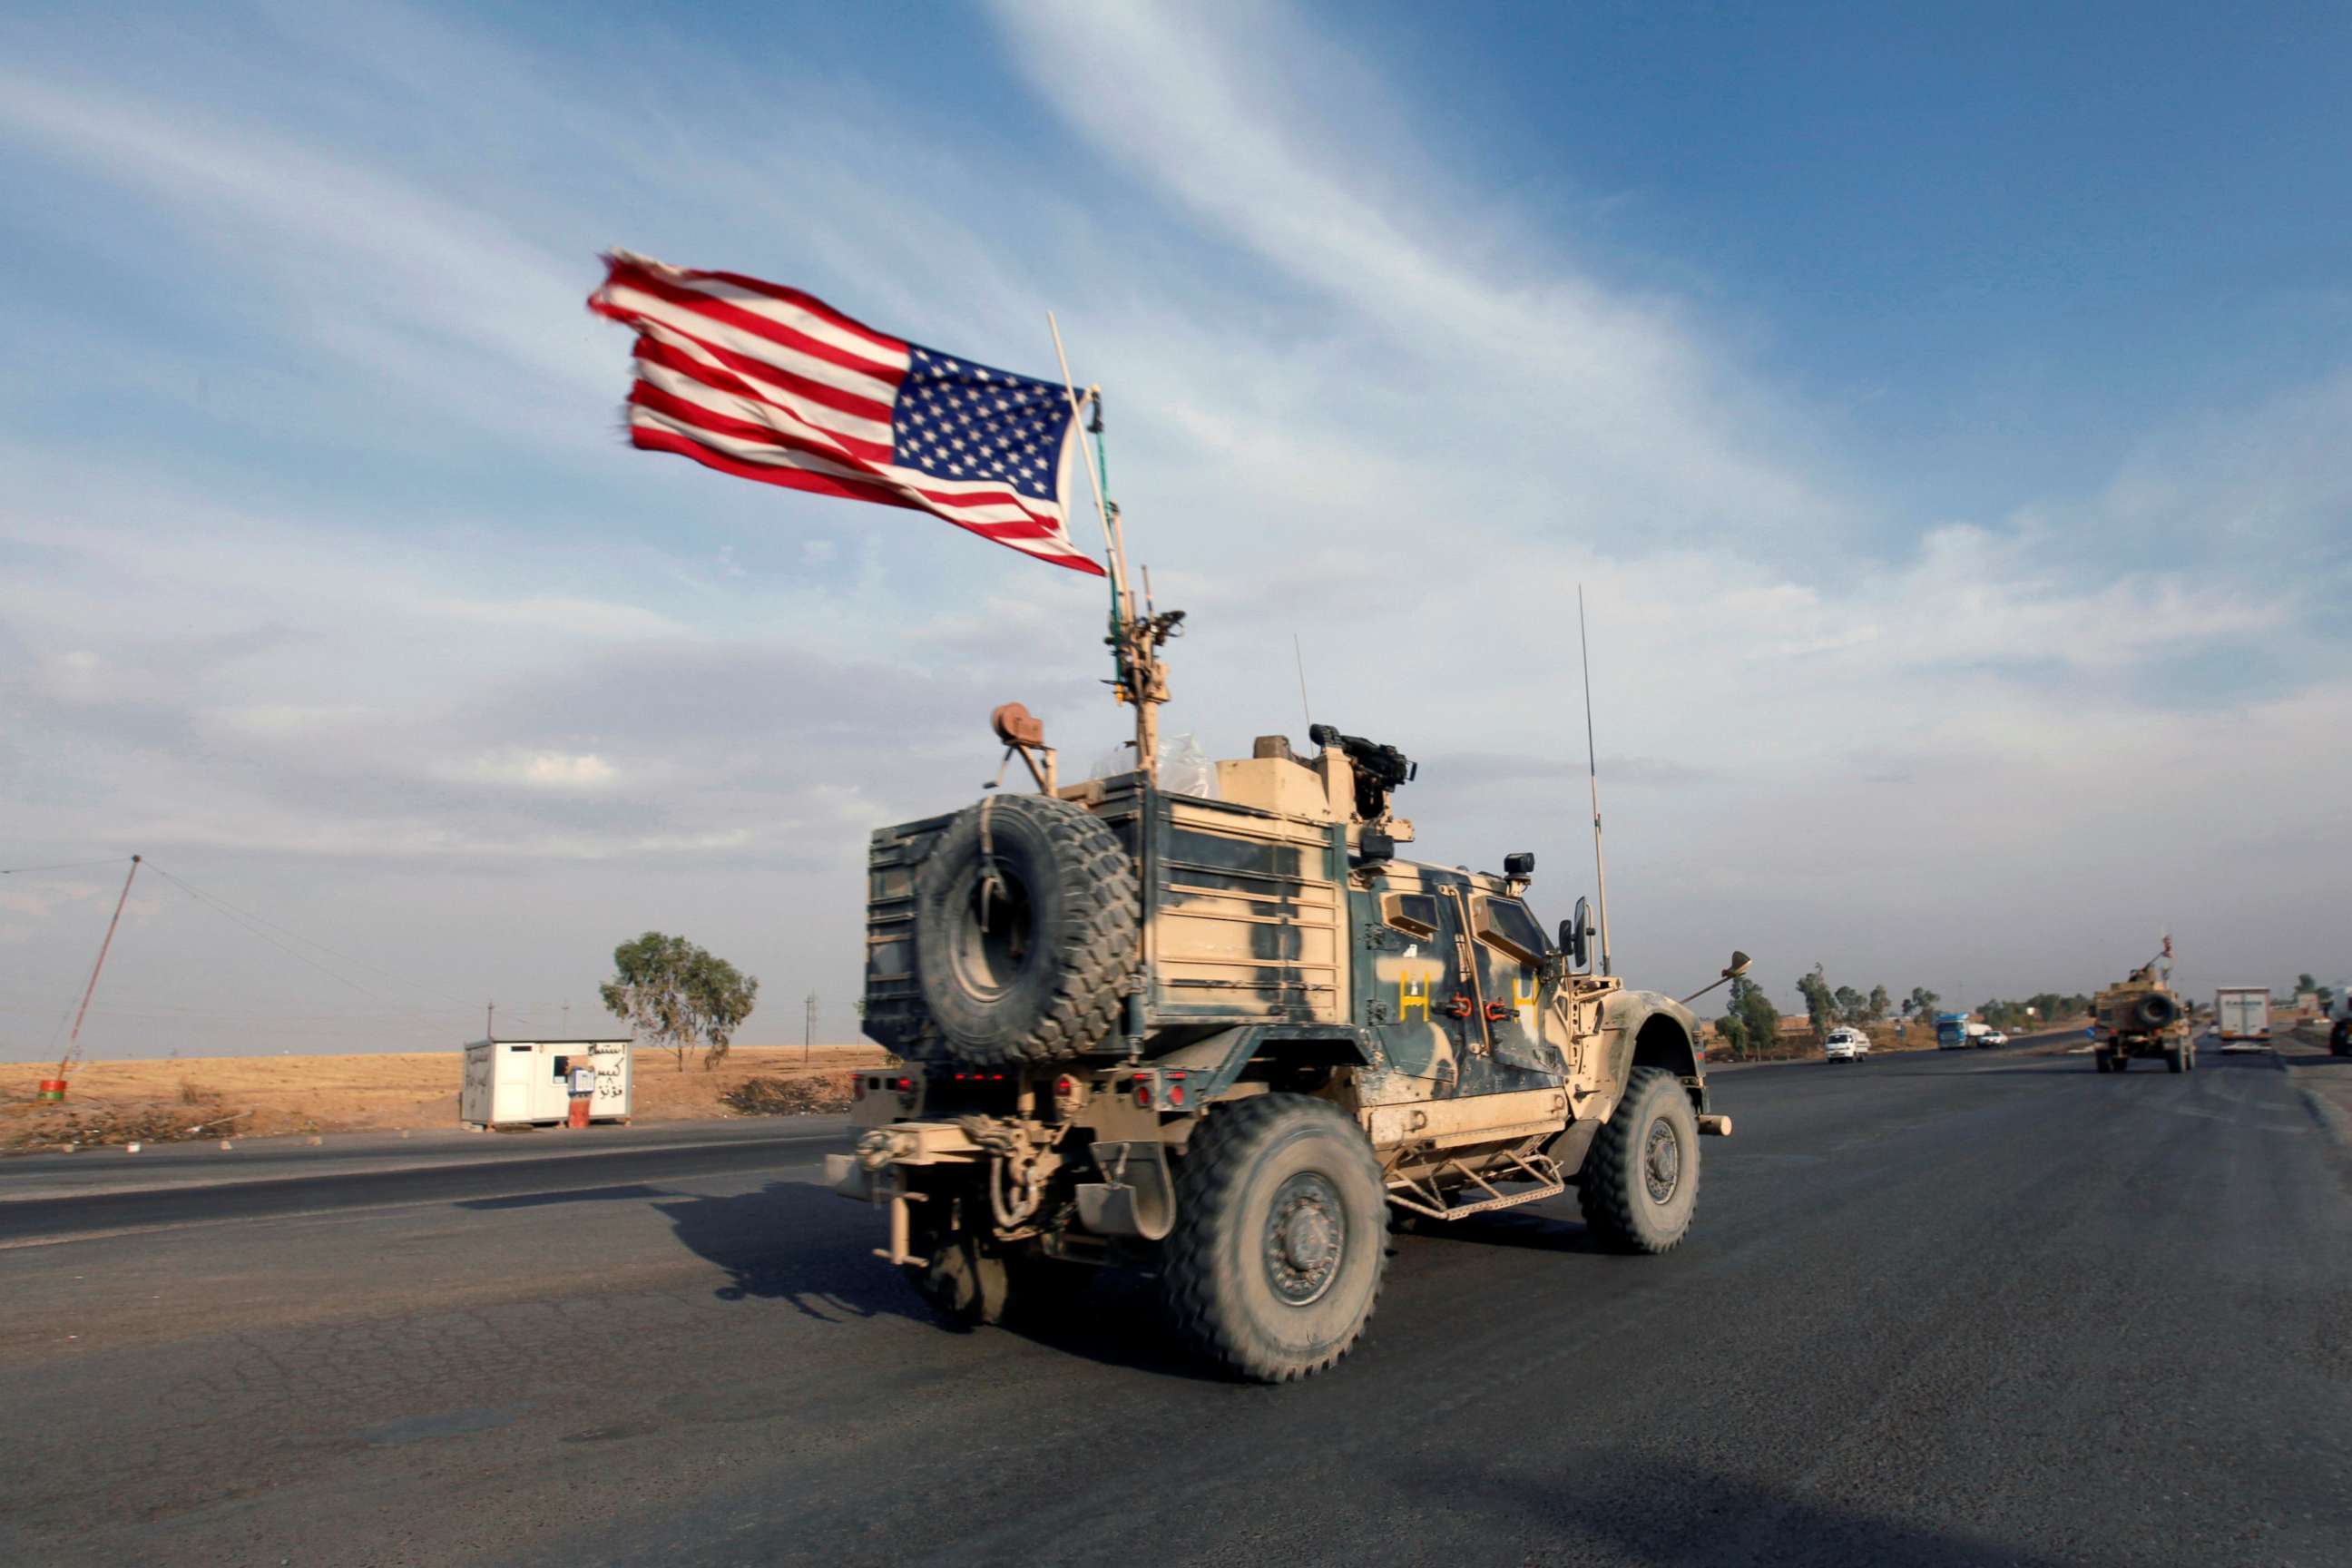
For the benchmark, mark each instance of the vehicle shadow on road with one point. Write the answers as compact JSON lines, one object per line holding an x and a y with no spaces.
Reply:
{"x":794,"y":1243}
{"x":2083,"y":1066}
{"x":1511,"y":1227}
{"x":798,"y":1244}
{"x":1677,"y":1514}
{"x":1113,"y":1318}
{"x":547,"y":1200}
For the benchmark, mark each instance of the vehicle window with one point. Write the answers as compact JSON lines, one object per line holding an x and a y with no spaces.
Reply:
{"x":1508,"y":924}
{"x":1414,"y":912}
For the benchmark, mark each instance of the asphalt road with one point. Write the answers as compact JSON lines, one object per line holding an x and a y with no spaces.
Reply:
{"x":1979,"y":1306}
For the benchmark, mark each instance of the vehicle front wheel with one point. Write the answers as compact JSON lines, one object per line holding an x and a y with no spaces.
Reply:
{"x":1640,"y":1181}
{"x":1281,"y":1238}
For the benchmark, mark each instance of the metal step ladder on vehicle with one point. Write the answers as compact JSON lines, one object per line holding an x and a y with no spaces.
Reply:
{"x":1424,"y":1195}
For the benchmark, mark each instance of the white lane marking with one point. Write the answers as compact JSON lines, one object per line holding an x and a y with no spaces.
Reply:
{"x":358,"y":1210}
{"x":325,"y":1168}
{"x":86,"y":1235}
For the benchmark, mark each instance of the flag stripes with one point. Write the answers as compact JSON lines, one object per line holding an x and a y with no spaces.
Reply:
{"x":766,"y":383}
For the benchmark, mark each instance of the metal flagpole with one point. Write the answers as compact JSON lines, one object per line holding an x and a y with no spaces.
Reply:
{"x":1143,"y":678}
{"x":1116,"y":555}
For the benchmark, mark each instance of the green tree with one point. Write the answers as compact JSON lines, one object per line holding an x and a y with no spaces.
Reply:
{"x":1753,"y":1023}
{"x":1875,"y":1008}
{"x":1734,"y":1031}
{"x":1922,"y":1001}
{"x":678,"y":995}
{"x":1821,"y":1002}
{"x":1852,"y":1004}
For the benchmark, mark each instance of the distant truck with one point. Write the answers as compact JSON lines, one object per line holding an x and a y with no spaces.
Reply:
{"x":1952,"y":1032}
{"x":2241,"y":1015}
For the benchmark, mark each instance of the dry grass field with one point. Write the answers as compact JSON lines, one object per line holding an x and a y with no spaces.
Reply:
{"x":246,"y":1097}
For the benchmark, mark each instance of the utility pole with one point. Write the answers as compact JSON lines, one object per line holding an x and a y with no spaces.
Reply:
{"x":73,"y":1041}
{"x":808,"y":1028}
{"x":490,"y":1022}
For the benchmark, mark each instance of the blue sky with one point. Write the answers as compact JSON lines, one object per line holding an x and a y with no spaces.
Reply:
{"x":1946,"y":414}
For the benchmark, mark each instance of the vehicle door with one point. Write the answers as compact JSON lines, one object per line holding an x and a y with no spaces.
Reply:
{"x":515,"y":1083}
{"x":1508,"y":947}
{"x":1423,"y":1009}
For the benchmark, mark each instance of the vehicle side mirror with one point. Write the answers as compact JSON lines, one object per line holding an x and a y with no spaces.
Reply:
{"x":1576,"y":935}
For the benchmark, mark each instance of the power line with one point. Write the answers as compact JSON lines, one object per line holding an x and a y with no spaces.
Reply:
{"x":65,"y":866}
{"x":247,"y":924}
{"x":242,"y":915}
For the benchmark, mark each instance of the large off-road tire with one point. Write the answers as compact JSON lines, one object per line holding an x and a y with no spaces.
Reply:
{"x":1027,"y":966}
{"x":2102,"y":1061}
{"x":1281,"y":1239}
{"x":2176,"y":1059}
{"x":2339,"y":1038}
{"x":1640,"y":1182}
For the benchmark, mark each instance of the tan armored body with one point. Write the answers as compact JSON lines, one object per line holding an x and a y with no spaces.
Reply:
{"x":1225,"y":1037}
{"x":2142,"y":1017}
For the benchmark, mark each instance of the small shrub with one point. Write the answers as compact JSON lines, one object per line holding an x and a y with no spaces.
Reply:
{"x":789,"y":1096}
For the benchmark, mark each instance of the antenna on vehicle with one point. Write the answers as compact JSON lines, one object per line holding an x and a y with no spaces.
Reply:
{"x":1592,"y":774}
{"x":1305,"y":707}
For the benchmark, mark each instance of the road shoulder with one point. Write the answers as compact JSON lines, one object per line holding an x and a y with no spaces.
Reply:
{"x":2324,"y":1082}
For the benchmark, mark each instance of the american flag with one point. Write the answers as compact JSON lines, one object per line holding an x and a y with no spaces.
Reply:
{"x":767,"y":382}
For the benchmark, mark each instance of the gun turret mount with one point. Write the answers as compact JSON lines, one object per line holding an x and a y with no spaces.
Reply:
{"x":1379,"y":770}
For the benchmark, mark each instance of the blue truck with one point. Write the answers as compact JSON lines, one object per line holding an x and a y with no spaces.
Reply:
{"x":1952,"y":1032}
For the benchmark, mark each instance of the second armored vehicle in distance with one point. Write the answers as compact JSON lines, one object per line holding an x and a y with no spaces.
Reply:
{"x":2141,"y":1017}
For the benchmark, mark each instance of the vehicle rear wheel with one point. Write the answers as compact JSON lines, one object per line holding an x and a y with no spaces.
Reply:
{"x":2176,"y":1059}
{"x":1640,"y":1182}
{"x":2339,"y":1039}
{"x":2104,"y":1062}
{"x":1276,"y":1261}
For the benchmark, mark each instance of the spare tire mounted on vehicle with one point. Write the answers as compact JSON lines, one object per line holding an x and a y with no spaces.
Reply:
{"x":1024,"y":931}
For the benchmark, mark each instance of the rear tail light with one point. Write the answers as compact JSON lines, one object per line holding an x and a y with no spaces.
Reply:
{"x":1142,"y":1092}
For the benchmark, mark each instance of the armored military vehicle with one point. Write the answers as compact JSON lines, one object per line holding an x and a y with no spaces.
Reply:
{"x":2141,"y":1017}
{"x":1223,"y":1038}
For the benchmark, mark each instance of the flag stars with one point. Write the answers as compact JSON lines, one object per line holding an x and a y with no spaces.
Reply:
{"x":954,"y":420}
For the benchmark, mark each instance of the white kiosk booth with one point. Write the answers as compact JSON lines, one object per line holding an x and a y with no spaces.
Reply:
{"x":527,"y":1083}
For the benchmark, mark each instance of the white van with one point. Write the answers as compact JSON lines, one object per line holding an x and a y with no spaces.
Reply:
{"x":1846,"y":1045}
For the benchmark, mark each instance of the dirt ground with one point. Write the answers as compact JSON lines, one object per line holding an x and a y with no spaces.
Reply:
{"x":244,"y":1097}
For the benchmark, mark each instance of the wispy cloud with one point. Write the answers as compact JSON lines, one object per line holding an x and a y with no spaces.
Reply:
{"x":416,"y":617}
